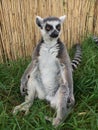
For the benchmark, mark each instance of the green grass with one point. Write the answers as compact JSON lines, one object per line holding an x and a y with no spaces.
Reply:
{"x":85,"y":113}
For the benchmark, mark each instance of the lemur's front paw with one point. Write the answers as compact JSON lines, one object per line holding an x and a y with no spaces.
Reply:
{"x":23,"y":88}
{"x":70,"y":101}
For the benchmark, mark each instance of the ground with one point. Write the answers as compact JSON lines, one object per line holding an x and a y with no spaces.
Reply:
{"x":85,"y":113}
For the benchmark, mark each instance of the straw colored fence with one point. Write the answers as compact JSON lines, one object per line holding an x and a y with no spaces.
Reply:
{"x":19,"y":34}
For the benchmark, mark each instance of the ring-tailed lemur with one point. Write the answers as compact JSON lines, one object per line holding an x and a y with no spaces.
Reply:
{"x":49,"y":75}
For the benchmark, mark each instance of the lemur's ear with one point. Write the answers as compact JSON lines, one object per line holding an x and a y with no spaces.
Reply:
{"x":39,"y":21}
{"x":62,"y":18}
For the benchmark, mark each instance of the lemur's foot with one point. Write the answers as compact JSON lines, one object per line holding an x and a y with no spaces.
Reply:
{"x":22,"y":107}
{"x":56,"y":122}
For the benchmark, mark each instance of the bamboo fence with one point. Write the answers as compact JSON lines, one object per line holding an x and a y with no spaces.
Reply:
{"x":19,"y":34}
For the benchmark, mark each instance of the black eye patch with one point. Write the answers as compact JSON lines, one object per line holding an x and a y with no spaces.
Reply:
{"x":58,"y":27}
{"x":48,"y":27}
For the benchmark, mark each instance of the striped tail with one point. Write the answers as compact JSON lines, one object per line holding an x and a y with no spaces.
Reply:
{"x":77,"y":58}
{"x":95,"y":39}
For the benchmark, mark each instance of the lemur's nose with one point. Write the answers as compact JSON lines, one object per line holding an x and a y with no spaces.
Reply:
{"x":54,"y":34}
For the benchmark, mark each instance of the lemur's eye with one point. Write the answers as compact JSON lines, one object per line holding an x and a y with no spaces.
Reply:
{"x":48,"y":27}
{"x":58,"y":27}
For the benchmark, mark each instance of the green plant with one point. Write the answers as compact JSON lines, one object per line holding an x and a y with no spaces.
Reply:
{"x":85,"y":113}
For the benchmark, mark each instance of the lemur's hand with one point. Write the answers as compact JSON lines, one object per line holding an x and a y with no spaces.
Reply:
{"x":23,"y":86}
{"x":70,"y":101}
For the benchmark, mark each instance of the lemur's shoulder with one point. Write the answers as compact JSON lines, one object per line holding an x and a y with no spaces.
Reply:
{"x":37,"y":48}
{"x":62,"y":49}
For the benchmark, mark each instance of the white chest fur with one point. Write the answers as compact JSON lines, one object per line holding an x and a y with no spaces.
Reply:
{"x":49,"y":67}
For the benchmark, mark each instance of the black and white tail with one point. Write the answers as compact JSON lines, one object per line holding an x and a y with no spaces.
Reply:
{"x":77,"y":58}
{"x":78,"y":54}
{"x":95,"y":39}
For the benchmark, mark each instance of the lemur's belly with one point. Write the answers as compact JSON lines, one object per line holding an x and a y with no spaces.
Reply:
{"x":49,"y":69}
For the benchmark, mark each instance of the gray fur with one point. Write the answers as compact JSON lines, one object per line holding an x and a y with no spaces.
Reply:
{"x":49,"y":75}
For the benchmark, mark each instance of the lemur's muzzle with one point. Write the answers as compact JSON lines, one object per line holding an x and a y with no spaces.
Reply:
{"x":54,"y":34}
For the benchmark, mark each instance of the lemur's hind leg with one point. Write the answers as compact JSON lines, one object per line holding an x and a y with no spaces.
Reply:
{"x":67,"y":76}
{"x":61,"y":104}
{"x":28,"y":99}
{"x":31,"y":92}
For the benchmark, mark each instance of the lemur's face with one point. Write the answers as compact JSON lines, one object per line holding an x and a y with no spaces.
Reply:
{"x":50,"y":27}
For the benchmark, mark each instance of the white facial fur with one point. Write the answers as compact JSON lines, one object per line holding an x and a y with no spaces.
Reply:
{"x":46,"y":34}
